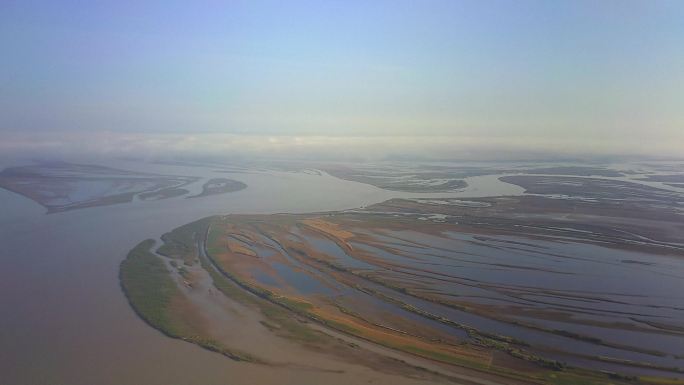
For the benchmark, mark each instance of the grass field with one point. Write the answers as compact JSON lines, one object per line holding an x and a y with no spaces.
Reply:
{"x":156,"y":299}
{"x":149,"y":288}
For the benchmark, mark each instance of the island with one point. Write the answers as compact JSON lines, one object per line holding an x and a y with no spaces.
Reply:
{"x":509,"y":290}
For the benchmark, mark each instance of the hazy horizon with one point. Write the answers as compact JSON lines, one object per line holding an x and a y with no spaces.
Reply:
{"x":344,"y":80}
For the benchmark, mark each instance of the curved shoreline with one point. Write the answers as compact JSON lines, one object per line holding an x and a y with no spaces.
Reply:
{"x":296,"y":307}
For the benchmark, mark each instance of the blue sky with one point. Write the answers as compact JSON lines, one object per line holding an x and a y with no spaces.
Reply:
{"x":574,"y":72}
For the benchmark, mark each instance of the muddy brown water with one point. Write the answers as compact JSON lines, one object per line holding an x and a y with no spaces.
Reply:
{"x":64,"y":319}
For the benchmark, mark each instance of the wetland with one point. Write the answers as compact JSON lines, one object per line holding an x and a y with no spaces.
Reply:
{"x":514,"y":277}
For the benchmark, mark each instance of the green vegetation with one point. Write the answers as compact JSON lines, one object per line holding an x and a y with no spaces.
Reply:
{"x":213,"y":237}
{"x":151,"y":292}
{"x":661,"y":381}
{"x":180,"y":243}
{"x":149,"y":288}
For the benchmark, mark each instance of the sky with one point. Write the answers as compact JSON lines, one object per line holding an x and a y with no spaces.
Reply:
{"x":448,"y":79}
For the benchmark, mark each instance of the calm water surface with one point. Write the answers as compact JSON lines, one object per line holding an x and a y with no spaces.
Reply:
{"x":65,"y":319}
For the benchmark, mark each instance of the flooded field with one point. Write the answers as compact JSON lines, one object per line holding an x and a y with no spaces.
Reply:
{"x":438,"y":271}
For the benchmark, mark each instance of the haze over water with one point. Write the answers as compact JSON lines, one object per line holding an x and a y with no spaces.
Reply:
{"x":526,"y":131}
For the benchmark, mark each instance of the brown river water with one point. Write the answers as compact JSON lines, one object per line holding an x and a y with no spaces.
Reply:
{"x":64,"y":318}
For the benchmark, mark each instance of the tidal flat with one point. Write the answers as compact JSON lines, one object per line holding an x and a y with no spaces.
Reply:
{"x":525,"y":288}
{"x":420,"y":326}
{"x":62,"y":186}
